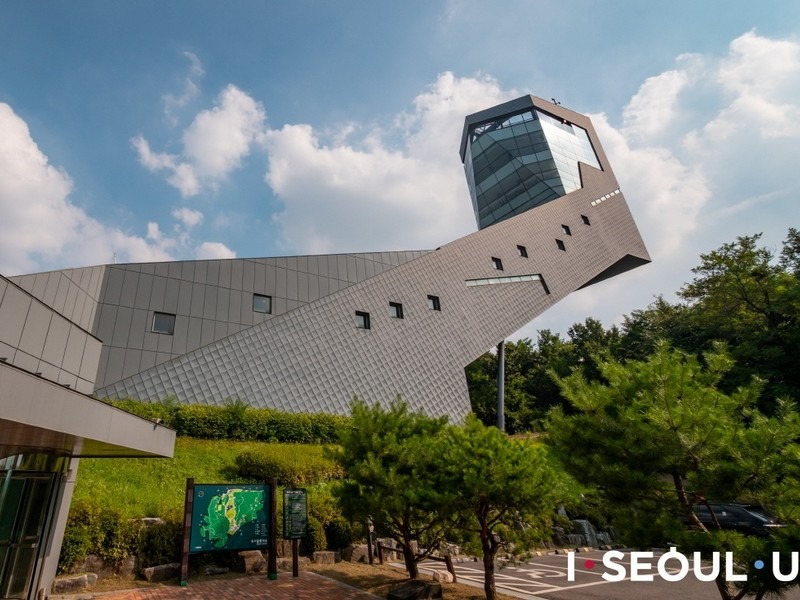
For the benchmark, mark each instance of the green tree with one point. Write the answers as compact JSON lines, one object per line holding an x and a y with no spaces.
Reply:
{"x":501,"y":488}
{"x":745,"y":295}
{"x":657,"y":436}
{"x":393,"y":469}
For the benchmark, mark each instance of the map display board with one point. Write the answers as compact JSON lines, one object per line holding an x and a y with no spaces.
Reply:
{"x":295,"y":514}
{"x":229,"y":517}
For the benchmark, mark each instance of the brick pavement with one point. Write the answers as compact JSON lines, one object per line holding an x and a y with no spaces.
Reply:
{"x":309,"y":586}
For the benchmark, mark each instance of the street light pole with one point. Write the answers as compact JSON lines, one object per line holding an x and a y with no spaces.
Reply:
{"x":501,"y":385}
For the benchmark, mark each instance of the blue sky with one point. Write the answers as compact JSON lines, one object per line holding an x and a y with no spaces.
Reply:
{"x":153,"y":131}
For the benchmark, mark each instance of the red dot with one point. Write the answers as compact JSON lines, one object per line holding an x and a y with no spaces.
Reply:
{"x":589,"y":563}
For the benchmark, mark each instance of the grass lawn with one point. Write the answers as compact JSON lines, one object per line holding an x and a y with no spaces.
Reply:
{"x":155,"y":487}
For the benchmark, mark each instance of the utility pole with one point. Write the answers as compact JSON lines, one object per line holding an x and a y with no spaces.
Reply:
{"x":501,"y":385}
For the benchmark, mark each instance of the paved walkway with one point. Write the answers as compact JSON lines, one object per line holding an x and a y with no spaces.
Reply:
{"x":309,"y":586}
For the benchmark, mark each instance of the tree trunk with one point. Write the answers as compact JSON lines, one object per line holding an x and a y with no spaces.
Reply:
{"x":411,"y":562}
{"x":488,"y":576}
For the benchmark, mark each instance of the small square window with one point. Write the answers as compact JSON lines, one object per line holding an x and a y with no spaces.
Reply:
{"x":395,"y":310}
{"x":497,"y":263}
{"x":163,"y":323}
{"x":565,"y":229}
{"x":561,"y":245}
{"x":585,"y":220}
{"x":362,"y":320}
{"x":522,"y":251}
{"x":262,"y":304}
{"x":433,"y":303}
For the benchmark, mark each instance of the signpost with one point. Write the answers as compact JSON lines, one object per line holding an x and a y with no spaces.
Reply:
{"x":226,"y":517}
{"x":295,"y":521}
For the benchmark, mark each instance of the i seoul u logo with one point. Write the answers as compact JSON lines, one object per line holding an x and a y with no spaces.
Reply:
{"x":676,"y":566}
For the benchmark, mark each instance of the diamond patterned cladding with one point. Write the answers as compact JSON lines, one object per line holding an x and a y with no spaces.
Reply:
{"x":313,"y":358}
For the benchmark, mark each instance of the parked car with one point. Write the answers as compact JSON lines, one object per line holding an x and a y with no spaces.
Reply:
{"x":745,"y":518}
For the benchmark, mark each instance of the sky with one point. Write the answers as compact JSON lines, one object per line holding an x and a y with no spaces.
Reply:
{"x":150,"y":130}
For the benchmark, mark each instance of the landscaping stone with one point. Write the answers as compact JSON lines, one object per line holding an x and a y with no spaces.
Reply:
{"x":285,"y":564}
{"x":215,"y":570}
{"x":416,"y":590}
{"x":443,"y":576}
{"x":74,"y":583}
{"x":250,"y":561}
{"x":356,"y":553}
{"x":161,"y":572}
{"x":324,"y":557}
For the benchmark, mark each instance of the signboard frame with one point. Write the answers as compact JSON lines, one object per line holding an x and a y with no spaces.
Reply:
{"x":191,"y":523}
{"x":293,"y":497}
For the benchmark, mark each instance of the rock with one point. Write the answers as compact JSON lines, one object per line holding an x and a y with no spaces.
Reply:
{"x":161,"y":572}
{"x":324,"y":557}
{"x":284,"y":548}
{"x":356,"y":553}
{"x":126,"y":566}
{"x":443,"y":576}
{"x":215,"y":570}
{"x":285,"y":564}
{"x":74,"y":583}
{"x":416,"y":590}
{"x":250,"y":561}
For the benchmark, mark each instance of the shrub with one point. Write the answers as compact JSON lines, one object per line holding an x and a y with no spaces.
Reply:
{"x":315,"y":537}
{"x":160,"y":543}
{"x":290,"y":465}
{"x":94,"y":530}
{"x":236,"y":420}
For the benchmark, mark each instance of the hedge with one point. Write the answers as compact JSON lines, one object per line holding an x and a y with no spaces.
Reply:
{"x":290,"y":466}
{"x":237,"y":421}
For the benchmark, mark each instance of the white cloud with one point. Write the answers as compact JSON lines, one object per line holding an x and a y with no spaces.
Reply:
{"x":40,"y":227}
{"x":214,"y":145}
{"x":191,"y":88}
{"x":213,"y":250}
{"x":653,"y":108}
{"x":190,"y":218}
{"x":351,"y":193}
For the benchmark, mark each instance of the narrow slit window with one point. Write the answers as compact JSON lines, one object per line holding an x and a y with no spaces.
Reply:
{"x":163,"y":323}
{"x":585,"y":220}
{"x":433,"y":303}
{"x":497,"y":263}
{"x":362,"y":320}
{"x":262,"y":304}
{"x":566,"y":230}
{"x":395,"y":310}
{"x":522,"y":251}
{"x":561,"y":245}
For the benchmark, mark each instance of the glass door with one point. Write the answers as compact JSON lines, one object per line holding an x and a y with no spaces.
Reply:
{"x":24,"y":498}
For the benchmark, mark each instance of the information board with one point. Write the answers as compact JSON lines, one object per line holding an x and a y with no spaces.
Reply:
{"x":295,"y":514}
{"x":229,"y":517}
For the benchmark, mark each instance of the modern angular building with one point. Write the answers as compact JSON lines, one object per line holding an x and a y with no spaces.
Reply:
{"x":308,"y":333}
{"x":299,"y":333}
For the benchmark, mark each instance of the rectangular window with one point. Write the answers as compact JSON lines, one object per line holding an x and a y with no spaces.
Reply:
{"x":362,"y":320}
{"x":522,"y":251}
{"x":561,"y":245}
{"x":163,"y":323}
{"x":395,"y":310}
{"x":585,"y":220}
{"x":565,"y":229}
{"x":433,"y":303}
{"x":262,"y":304}
{"x":497,"y":263}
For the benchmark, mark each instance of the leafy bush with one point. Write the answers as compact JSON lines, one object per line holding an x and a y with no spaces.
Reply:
{"x":315,"y":537}
{"x":292,"y":466}
{"x":235,"y":420}
{"x":94,"y":530}
{"x":160,"y":543}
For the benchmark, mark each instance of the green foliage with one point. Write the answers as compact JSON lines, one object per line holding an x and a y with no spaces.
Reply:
{"x":500,"y":488}
{"x":160,"y":543}
{"x":101,"y":531}
{"x":657,"y":436}
{"x":315,"y":537}
{"x":235,"y":420}
{"x":290,"y":465}
{"x":392,"y":463}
